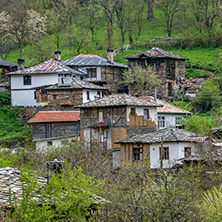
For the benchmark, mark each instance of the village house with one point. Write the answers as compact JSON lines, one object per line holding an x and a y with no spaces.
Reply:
{"x":69,"y":94}
{"x":177,"y":144}
{"x":170,"y":67}
{"x":116,"y":117}
{"x":51,"y":128}
{"x":5,"y":67}
{"x":25,"y":80}
{"x":104,"y":72}
{"x":168,"y":115}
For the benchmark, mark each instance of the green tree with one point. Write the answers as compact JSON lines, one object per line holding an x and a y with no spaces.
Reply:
{"x":140,"y":79}
{"x":209,"y":96}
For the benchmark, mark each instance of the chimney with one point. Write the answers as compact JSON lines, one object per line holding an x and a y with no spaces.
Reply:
{"x":58,"y":56}
{"x":110,"y":55}
{"x":21,"y":64}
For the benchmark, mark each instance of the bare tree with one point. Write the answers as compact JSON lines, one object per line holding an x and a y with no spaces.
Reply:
{"x":170,"y":9}
{"x":109,"y":7}
{"x":150,"y":9}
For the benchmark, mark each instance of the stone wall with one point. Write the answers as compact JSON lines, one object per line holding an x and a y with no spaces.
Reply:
{"x":112,"y":78}
{"x":65,"y":98}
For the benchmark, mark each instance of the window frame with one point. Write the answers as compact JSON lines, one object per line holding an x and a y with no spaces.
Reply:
{"x":91,"y":72}
{"x":87,"y":95}
{"x":27,"y":82}
{"x":146,"y":114}
{"x":187,"y":151}
{"x":137,"y":154}
{"x":133,"y":112}
{"x":166,"y":153}
{"x":161,"y":122}
{"x":176,"y":120}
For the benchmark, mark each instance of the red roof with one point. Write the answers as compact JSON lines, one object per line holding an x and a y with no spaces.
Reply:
{"x":166,"y":108}
{"x":55,"y":116}
{"x":99,"y":125}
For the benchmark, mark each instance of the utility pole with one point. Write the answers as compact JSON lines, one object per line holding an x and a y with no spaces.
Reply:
{"x":161,"y":153}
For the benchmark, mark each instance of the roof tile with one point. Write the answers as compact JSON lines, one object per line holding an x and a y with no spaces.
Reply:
{"x":55,"y":116}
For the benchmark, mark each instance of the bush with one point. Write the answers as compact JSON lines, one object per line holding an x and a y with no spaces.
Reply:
{"x":5,"y":98}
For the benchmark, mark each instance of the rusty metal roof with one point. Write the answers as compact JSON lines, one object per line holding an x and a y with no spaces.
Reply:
{"x":55,"y":116}
{"x":167,"y":108}
{"x":51,"y":66}
{"x":118,"y":100}
{"x":75,"y":83}
{"x":168,"y":135}
{"x":155,"y":53}
{"x":90,"y":60}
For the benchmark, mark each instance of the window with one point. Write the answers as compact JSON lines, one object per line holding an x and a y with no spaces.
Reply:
{"x":87,"y":94}
{"x":165,"y":153}
{"x":146,"y":114}
{"x":138,"y":154}
{"x":34,"y":95}
{"x":27,"y":80}
{"x":177,"y":120}
{"x":100,"y":117}
{"x":91,"y":73}
{"x":54,"y":97}
{"x":133,"y":112}
{"x":187,"y":151}
{"x":49,"y":143}
{"x":161,"y":121}
{"x":98,"y":93}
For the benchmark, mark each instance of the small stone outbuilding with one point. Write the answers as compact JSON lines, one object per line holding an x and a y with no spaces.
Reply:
{"x":170,"y":67}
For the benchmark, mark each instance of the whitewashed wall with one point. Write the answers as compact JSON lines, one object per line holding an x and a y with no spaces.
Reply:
{"x":176,"y":151}
{"x":92,"y":94}
{"x":140,"y":112}
{"x":42,"y":146}
{"x":25,"y":97}
{"x":170,"y":119}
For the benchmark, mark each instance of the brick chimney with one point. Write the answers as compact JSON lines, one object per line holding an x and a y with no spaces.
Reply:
{"x":21,"y":63}
{"x":58,"y":56}
{"x":110,"y":55}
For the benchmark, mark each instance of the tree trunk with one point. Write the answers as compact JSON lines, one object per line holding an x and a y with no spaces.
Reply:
{"x":150,"y":10}
{"x":20,"y":47}
{"x":130,"y":36}
{"x":92,"y":31}
{"x":122,"y":36}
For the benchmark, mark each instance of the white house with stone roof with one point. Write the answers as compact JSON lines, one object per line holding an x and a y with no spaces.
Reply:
{"x":24,"y":81}
{"x":177,"y":144}
{"x":169,"y":115}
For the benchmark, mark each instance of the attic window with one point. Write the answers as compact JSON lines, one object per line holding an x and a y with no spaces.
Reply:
{"x":27,"y":80}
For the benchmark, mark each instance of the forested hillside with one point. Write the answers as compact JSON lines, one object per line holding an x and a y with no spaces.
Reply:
{"x":34,"y":29}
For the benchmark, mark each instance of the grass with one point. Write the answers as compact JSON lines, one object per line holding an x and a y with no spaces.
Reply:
{"x":12,"y":127}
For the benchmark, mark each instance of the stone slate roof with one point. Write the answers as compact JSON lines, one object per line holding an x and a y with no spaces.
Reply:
{"x":4,"y":63}
{"x":76,"y":84}
{"x":118,"y":100}
{"x":168,"y":134}
{"x":167,"y":108}
{"x":55,"y":116}
{"x":155,"y":53}
{"x":10,"y":178}
{"x":90,"y":60}
{"x":51,"y":66}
